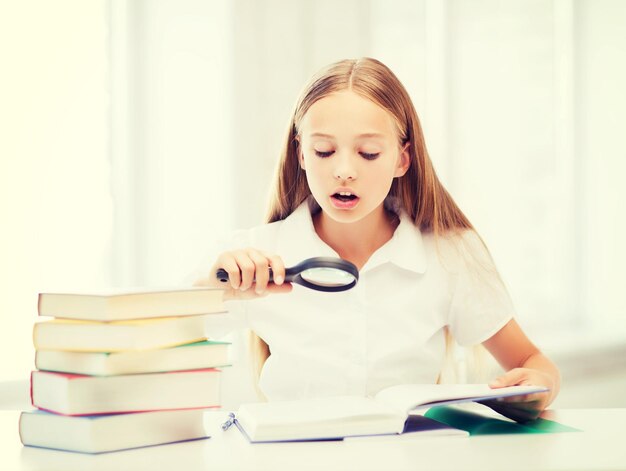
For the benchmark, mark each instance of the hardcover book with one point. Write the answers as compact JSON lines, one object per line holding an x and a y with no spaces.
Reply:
{"x":71,"y":394}
{"x":110,"y":432}
{"x":140,"y":334}
{"x":191,"y":356}
{"x":131,"y":304}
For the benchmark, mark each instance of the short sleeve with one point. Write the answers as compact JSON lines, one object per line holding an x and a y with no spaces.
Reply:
{"x":480,"y":304}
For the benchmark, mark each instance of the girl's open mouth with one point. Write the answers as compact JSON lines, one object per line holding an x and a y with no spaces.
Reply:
{"x":344,"y":200}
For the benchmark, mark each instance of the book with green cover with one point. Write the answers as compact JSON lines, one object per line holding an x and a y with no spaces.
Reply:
{"x":191,"y":356}
{"x":138,"y":334}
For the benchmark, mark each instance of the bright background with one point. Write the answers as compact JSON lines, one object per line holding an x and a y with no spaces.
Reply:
{"x":134,"y":133}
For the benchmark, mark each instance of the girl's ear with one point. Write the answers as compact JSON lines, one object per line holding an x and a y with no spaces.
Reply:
{"x":299,"y":152}
{"x":404,"y":161}
{"x":301,"y":160}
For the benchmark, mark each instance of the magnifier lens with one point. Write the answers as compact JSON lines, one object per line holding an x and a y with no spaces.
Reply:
{"x":322,"y":276}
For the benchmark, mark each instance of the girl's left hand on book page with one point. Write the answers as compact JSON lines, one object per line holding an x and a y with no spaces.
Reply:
{"x":526,"y":407}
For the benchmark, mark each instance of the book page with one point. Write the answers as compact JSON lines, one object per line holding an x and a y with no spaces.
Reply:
{"x":316,"y":410}
{"x":407,"y":397}
{"x":315,"y":419}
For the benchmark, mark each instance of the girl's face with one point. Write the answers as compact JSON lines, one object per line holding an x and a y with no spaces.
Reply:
{"x":351,"y":153}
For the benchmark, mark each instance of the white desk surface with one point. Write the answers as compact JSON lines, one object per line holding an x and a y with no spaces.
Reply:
{"x":601,"y":445}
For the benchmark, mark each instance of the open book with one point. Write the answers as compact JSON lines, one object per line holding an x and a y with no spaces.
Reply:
{"x":345,"y":416}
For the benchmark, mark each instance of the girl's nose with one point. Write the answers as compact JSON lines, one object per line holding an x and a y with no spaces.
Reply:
{"x":344,"y":168}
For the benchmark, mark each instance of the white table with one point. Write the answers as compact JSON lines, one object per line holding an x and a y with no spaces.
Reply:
{"x":601,"y":445}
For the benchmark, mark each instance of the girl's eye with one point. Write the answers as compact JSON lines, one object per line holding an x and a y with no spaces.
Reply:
{"x":369,"y":156}
{"x":324,"y":154}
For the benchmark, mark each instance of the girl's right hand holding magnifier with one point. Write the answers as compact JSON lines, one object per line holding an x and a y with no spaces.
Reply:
{"x":249,"y":273}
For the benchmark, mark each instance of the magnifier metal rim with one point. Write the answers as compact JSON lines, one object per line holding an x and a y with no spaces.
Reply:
{"x":294,"y":273}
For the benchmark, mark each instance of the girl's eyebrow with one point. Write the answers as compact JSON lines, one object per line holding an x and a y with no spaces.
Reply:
{"x":321,"y":134}
{"x":367,"y":134}
{"x":371,"y":134}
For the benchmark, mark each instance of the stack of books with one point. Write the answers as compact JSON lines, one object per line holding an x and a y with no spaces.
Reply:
{"x":124,"y":370}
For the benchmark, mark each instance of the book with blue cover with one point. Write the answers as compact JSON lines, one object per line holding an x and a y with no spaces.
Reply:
{"x":110,"y":432}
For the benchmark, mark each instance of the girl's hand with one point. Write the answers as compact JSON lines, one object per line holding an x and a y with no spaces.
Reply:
{"x":248,"y":274}
{"x":528,"y":406}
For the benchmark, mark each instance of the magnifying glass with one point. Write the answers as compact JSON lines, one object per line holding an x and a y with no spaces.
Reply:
{"x":319,"y":273}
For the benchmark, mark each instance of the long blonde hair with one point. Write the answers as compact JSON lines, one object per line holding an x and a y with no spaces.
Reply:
{"x":419,"y":191}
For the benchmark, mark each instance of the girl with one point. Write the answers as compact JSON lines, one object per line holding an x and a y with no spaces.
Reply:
{"x":355,"y":181}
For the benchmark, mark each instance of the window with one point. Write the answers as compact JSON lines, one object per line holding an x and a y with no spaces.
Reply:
{"x":56,"y":206}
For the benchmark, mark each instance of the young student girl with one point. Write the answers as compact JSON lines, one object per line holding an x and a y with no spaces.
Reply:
{"x":355,"y":181}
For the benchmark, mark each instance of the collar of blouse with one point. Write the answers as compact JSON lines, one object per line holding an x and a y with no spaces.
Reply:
{"x":405,"y":249}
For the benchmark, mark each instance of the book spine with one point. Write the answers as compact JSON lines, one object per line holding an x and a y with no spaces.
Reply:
{"x":32,"y":400}
{"x":34,"y":335}
{"x":98,"y":414}
{"x":20,"y":427}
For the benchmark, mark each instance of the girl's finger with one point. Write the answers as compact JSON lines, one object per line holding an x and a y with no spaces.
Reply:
{"x":229,"y":264}
{"x":278,"y":268}
{"x":275,"y":289}
{"x":247,"y":268}
{"x":261,"y":267}
{"x":510,"y":378}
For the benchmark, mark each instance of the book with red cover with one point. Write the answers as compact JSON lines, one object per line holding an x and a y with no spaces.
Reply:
{"x":71,"y":394}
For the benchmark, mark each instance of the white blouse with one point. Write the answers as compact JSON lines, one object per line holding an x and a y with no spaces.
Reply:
{"x":387,"y":330}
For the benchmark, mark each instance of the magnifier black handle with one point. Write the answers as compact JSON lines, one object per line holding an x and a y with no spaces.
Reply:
{"x":222,"y":275}
{"x":291,"y":272}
